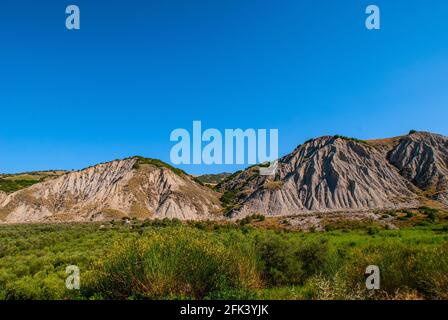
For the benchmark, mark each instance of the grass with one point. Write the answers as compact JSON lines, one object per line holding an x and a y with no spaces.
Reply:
{"x":213,"y":179}
{"x":10,"y":183}
{"x":158,"y":163}
{"x":170,"y":259}
{"x":176,"y":263}
{"x":10,"y":186}
{"x":349,"y":139}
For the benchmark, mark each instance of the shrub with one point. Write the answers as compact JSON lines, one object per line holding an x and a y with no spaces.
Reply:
{"x":10,"y":186}
{"x":157,"y":163}
{"x":418,"y":268}
{"x":335,"y":287}
{"x":280,"y":266}
{"x":289,"y":262}
{"x":165,"y":222}
{"x":430,"y":213}
{"x":338,"y":136}
{"x":228,"y":198}
{"x":178,"y":263}
{"x":231,"y":262}
{"x":368,"y":225}
{"x":408,"y":215}
{"x":249,"y":219}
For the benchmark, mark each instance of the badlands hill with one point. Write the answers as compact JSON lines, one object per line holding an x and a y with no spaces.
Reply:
{"x":134,"y":187}
{"x":338,"y":173}
{"x":327,"y":174}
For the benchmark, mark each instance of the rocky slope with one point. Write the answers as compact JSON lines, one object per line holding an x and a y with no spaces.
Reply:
{"x":3,"y":196}
{"x":327,"y":174}
{"x":337,"y":173}
{"x":422,"y":158}
{"x":129,"y":187}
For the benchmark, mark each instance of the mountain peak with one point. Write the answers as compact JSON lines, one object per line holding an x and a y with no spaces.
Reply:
{"x":334,"y":173}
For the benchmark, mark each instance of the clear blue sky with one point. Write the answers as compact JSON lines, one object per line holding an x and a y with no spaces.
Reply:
{"x":139,"y":69}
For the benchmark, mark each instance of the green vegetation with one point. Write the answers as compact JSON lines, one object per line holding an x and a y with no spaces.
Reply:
{"x":13,"y":182}
{"x":412,"y":132}
{"x":265,"y":164}
{"x":158,"y":163}
{"x":229,"y":178}
{"x":349,"y":139}
{"x":251,"y":218}
{"x":176,"y":263}
{"x":170,"y":259}
{"x":368,"y":226}
{"x":199,"y":181}
{"x":415,"y":217}
{"x":213,"y":178}
{"x":10,"y":186}
{"x":431,"y":213}
{"x":228,"y":200}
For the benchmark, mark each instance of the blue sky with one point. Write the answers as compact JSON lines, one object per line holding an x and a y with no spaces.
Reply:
{"x":139,"y":69}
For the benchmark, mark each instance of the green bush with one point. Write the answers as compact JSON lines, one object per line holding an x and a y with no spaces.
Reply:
{"x":424,"y":270}
{"x":180,"y":263}
{"x":289,"y":262}
{"x":10,"y":186}
{"x":167,"y":259}
{"x":338,"y":136}
{"x":249,"y":219}
{"x":430,"y":213}
{"x":158,"y":163}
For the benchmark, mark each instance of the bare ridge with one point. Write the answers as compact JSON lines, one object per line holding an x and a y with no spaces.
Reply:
{"x":325,"y":174}
{"x":134,"y":187}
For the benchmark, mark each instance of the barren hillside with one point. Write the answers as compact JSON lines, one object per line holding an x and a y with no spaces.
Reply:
{"x":130,"y":187}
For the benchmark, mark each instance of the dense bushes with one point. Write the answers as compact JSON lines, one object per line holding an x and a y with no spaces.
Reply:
{"x":167,"y":259}
{"x":180,"y":263}
{"x":251,"y":218}
{"x":10,"y":186}
{"x":430,"y":213}
{"x":33,"y":258}
{"x":419,"y":269}
{"x":288,"y":262}
{"x":158,"y":163}
{"x":338,"y":136}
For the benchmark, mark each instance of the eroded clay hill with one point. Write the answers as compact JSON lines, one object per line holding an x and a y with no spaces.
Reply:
{"x":327,"y":174}
{"x":338,"y":173}
{"x":124,"y":188}
{"x":422,"y":158}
